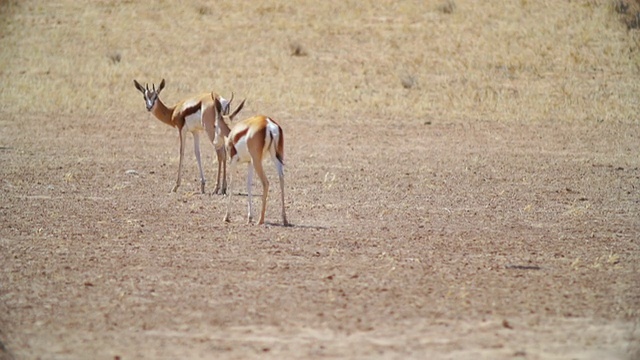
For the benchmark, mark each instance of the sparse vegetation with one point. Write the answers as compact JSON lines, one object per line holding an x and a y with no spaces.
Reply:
{"x":115,"y":57}
{"x":536,"y":61}
{"x":408,"y":81}
{"x":297,"y":49}
{"x":204,"y":10}
{"x":629,"y":11}
{"x":447,"y":6}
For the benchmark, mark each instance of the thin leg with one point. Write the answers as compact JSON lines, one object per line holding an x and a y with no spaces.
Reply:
{"x":257,"y":164}
{"x":232,"y":168}
{"x":280,"y":170}
{"x":249,"y":188}
{"x":209,"y":123}
{"x":221,"y":165}
{"x":196,"y":149}
{"x":223,"y":159}
{"x":182,"y":140}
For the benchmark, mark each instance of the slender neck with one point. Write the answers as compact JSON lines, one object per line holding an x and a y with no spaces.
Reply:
{"x":222,"y":132}
{"x":222,"y":126}
{"x":163,"y":113}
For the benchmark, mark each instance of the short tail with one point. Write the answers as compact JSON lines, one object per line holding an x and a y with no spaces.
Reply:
{"x":276,"y":145}
{"x":278,"y":139}
{"x":280,"y":148}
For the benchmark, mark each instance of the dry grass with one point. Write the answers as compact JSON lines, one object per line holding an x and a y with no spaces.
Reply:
{"x":523,"y":60}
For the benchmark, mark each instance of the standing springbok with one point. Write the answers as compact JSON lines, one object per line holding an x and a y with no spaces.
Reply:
{"x":248,"y":141}
{"x":192,"y":115}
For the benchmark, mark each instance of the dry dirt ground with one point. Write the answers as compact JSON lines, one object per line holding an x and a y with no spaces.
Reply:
{"x":453,"y":205}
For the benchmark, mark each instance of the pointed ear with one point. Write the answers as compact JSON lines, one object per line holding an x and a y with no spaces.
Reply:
{"x":160,"y":87}
{"x":138,"y":86}
{"x":217,"y":105}
{"x":238,"y":109}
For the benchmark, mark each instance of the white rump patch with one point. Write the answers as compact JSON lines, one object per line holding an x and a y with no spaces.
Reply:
{"x":272,"y":128}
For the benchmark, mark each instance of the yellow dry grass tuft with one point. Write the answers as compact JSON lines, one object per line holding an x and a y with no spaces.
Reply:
{"x":629,"y":11}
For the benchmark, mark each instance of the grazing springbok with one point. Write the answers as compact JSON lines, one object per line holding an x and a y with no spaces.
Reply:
{"x":247,"y":142}
{"x":192,"y":115}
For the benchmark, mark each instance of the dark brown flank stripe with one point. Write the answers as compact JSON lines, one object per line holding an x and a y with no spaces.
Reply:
{"x":181,"y":118}
{"x":191,"y":110}
{"x":236,"y":138}
{"x":240,"y":134}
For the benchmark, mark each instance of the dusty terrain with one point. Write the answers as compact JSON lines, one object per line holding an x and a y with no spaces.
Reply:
{"x":463,"y":182}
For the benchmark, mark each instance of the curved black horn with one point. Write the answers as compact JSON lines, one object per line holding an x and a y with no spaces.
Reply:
{"x":238,"y":109}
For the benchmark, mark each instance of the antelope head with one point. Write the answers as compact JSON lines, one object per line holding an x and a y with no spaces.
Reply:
{"x":150,"y":95}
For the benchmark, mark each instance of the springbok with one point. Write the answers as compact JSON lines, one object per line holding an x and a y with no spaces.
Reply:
{"x":193,"y":115}
{"x":247,"y":142}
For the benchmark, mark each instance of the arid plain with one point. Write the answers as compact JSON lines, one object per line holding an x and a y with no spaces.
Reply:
{"x":462,"y":179}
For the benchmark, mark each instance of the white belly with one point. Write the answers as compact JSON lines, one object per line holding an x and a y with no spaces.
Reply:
{"x":193,"y":122}
{"x":242,"y":150}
